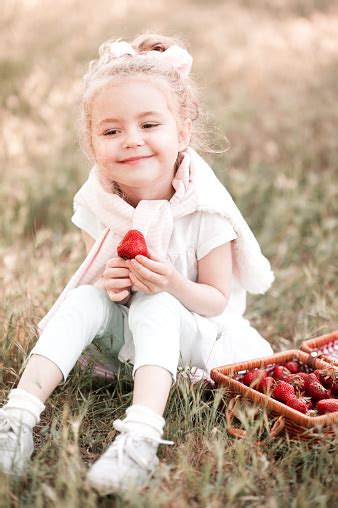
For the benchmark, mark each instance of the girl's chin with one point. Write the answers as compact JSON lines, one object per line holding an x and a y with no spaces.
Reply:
{"x":106,"y":182}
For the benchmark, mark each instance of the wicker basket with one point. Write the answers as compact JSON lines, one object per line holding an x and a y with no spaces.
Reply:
{"x":324,"y":347}
{"x":296,"y":424}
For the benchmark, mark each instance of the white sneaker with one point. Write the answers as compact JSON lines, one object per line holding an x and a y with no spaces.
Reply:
{"x":128,"y":462}
{"x":16,"y":444}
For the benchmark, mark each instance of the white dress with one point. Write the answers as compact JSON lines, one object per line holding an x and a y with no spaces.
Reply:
{"x":227,"y":338}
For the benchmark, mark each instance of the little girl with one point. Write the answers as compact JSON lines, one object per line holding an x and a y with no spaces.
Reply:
{"x":181,"y":305}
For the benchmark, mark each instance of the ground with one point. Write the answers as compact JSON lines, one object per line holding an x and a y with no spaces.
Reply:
{"x":268,"y":80}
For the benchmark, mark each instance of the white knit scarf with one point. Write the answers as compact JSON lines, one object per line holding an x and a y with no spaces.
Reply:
{"x":197,"y":189}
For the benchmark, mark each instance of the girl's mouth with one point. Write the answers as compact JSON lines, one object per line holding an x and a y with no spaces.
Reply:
{"x":135,"y":160}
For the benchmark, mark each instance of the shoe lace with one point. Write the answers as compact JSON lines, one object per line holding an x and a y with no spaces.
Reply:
{"x":7,"y":423}
{"x":126,"y":435}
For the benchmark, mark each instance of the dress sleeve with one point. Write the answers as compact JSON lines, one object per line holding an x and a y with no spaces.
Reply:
{"x":84,"y":219}
{"x":215,"y":230}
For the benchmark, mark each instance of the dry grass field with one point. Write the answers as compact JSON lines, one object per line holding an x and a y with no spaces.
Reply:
{"x":268,"y":73}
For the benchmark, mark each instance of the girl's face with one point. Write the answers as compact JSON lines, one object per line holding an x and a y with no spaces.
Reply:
{"x":136,"y":138}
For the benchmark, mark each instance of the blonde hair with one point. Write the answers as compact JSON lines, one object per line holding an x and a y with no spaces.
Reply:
{"x":107,"y":68}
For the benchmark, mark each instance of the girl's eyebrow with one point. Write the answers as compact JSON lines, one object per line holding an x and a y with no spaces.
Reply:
{"x":148,"y":113}
{"x":141,"y":115}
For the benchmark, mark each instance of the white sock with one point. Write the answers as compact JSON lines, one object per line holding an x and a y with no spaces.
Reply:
{"x":24,"y":406}
{"x":144,"y":420}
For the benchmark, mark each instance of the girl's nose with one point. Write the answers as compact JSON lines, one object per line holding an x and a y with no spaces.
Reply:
{"x":132,"y":138}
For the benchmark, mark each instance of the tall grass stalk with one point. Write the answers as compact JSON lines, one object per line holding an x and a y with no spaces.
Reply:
{"x":268,"y":72}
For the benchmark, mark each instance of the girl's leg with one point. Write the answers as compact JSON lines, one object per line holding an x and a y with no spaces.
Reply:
{"x":40,"y":377}
{"x":22,"y":412}
{"x":86,"y":313}
{"x":151,"y":393}
{"x":162,"y":329}
{"x":83,"y":315}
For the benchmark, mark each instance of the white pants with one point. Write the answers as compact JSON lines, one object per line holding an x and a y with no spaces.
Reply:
{"x":154,"y":330}
{"x":164,"y":332}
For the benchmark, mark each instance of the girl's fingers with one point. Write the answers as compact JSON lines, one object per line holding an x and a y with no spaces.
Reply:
{"x":111,"y":273}
{"x":117,"y":297}
{"x":116,"y":263}
{"x":117,"y":283}
{"x":144,"y":275}
{"x":153,"y":255}
{"x":139,"y":283}
{"x":144,"y":266}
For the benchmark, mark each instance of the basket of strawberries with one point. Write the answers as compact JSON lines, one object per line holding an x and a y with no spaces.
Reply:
{"x":299,"y":389}
{"x":324,"y":347}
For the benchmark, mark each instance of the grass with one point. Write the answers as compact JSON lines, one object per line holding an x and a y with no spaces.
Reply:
{"x":268,"y":73}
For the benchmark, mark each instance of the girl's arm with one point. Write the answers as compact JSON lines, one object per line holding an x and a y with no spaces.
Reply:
{"x":101,"y":282}
{"x":210,"y":294}
{"x":207,"y":297}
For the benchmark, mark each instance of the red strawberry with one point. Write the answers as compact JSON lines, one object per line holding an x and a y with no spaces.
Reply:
{"x":329,"y":378}
{"x":309,"y":403}
{"x":303,"y":375}
{"x":281,"y":373}
{"x":311,"y":377}
{"x":266,"y":385}
{"x":334,"y":388}
{"x":308,"y":377}
{"x":324,"y":378}
{"x":283,"y":391}
{"x":298,"y":382}
{"x":253,"y":377}
{"x":132,"y":244}
{"x":316,"y":391}
{"x":292,"y":366}
{"x":298,"y":404}
{"x":327,"y":406}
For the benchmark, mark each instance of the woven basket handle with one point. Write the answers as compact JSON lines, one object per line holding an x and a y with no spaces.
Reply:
{"x":230,"y":414}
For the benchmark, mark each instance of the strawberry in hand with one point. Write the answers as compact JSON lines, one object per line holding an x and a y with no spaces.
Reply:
{"x":132,"y":245}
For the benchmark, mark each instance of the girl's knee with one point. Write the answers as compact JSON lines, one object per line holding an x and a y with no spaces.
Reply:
{"x":86,"y":293}
{"x":141,"y":300}
{"x":89,"y":299}
{"x":150,"y":307}
{"x":92,"y":306}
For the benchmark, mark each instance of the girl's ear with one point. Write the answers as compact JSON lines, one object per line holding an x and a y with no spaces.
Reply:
{"x":184,"y":134}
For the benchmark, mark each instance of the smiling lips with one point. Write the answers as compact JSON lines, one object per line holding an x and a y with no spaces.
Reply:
{"x":135,"y":160}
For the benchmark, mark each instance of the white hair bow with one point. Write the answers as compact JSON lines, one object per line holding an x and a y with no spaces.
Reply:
{"x":175,"y":56}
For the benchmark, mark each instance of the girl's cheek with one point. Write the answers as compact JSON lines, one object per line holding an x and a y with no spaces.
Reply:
{"x":104,"y":159}
{"x":104,"y":146}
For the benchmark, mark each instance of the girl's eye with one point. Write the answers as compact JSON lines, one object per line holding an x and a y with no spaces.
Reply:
{"x":149,"y":125}
{"x":111,"y":132}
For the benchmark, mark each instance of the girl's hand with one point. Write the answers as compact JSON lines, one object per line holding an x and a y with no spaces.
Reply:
{"x":152,"y":275}
{"x":116,"y":280}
